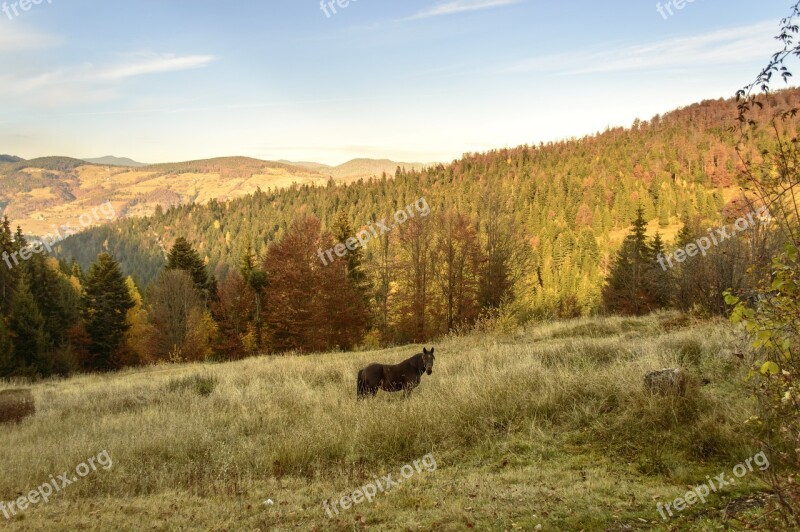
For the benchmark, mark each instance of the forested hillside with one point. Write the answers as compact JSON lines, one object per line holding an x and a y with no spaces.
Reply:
{"x":568,"y":203}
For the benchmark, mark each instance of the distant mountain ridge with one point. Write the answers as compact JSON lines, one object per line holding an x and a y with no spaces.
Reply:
{"x":10,"y":159}
{"x":46,"y":191}
{"x":111,"y":160}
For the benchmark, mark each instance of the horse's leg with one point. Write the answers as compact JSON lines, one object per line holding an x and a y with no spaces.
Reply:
{"x":410,"y":388}
{"x":360,"y":385}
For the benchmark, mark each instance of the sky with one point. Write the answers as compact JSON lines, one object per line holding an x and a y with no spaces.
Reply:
{"x":409,"y":80}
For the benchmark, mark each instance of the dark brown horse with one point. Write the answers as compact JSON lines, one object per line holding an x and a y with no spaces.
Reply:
{"x":404,"y":376}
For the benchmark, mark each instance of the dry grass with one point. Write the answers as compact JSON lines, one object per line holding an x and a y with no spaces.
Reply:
{"x":548,"y":426}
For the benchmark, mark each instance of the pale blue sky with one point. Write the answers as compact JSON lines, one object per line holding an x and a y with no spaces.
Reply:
{"x":412,"y":80}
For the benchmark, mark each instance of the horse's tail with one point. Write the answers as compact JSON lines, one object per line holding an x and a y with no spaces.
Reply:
{"x":361,"y":385}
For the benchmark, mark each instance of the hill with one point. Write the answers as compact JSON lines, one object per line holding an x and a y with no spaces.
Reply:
{"x":48,"y":192}
{"x":360,"y":168}
{"x":309,"y":165}
{"x":9,"y":159}
{"x":52,"y":191}
{"x":511,"y":434}
{"x":110,"y":160}
{"x":366,"y":168}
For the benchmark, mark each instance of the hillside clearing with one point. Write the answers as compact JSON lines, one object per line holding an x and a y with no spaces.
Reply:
{"x":549,"y":425}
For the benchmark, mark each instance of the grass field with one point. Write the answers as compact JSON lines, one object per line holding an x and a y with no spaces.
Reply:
{"x":547,"y":426}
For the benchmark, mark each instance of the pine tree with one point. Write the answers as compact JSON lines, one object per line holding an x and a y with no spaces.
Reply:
{"x":105,"y":303}
{"x":19,"y":239}
{"x":356,"y":275}
{"x":8,"y":273}
{"x":664,"y":280}
{"x":75,"y":270}
{"x":27,"y":332}
{"x":633,"y":283}
{"x":256,"y":280}
{"x":184,"y":257}
{"x":7,"y":365}
{"x":55,"y":297}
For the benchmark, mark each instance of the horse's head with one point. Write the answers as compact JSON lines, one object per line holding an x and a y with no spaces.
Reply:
{"x":427,"y":360}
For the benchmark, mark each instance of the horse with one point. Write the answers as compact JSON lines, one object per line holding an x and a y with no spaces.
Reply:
{"x":404,"y":376}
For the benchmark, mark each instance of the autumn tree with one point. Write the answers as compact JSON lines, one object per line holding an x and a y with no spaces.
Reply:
{"x":311,"y":305}
{"x":415,"y":279}
{"x":237,"y":318}
{"x":182,"y":329}
{"x":135,"y":344}
{"x":457,"y":261}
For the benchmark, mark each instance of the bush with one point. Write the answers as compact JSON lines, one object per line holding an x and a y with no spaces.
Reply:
{"x":16,"y":405}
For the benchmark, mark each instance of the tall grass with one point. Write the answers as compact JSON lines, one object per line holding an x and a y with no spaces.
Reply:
{"x":220,"y":429}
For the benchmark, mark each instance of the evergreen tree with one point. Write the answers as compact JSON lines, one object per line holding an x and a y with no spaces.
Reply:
{"x":8,"y":273}
{"x":19,"y":239}
{"x":105,"y":303}
{"x":356,"y":274}
{"x":7,"y":365}
{"x":633,"y":282}
{"x":27,"y":332}
{"x":184,"y":257}
{"x":664,"y":279}
{"x":256,"y":280}
{"x":55,"y":297}
{"x":75,"y":270}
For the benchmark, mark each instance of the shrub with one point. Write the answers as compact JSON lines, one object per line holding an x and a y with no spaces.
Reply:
{"x":16,"y":405}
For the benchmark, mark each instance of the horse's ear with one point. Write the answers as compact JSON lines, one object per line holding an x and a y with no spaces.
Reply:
{"x":424,"y":350}
{"x":432,"y":348}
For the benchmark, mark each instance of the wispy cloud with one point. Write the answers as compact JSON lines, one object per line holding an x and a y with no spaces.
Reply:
{"x":90,"y":83}
{"x":155,"y":63}
{"x":728,"y":46}
{"x":460,"y":6}
{"x":17,"y":37}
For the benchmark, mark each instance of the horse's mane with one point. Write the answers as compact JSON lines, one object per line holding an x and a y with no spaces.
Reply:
{"x":415,"y":362}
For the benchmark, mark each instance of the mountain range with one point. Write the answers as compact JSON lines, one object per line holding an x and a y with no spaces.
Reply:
{"x":52,"y":191}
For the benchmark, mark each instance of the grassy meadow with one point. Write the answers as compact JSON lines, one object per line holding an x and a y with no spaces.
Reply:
{"x":548,"y":425}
